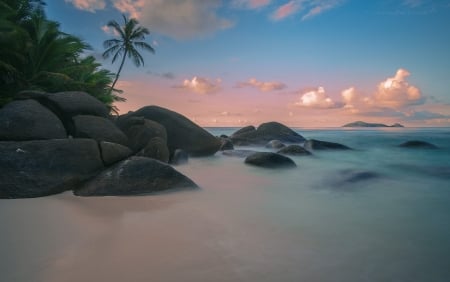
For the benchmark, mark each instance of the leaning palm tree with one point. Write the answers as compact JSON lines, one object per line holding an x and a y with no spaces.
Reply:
{"x":130,"y":36}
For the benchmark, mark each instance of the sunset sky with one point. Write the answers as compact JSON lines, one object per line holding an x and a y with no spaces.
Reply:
{"x":305,"y":63}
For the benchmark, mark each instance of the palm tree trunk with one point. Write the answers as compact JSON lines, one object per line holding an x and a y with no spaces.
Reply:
{"x":118,"y":72}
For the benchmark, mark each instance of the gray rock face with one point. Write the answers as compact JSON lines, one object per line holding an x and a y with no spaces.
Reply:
{"x":418,"y":145}
{"x":275,"y":144}
{"x":156,"y":149}
{"x":181,"y":132}
{"x":112,"y":152}
{"x":270,"y":160}
{"x":140,"y":131}
{"x":45,"y":167}
{"x":29,"y":120}
{"x":135,"y":176}
{"x":265,"y":133}
{"x":294,"y":150}
{"x":313,"y":144}
{"x":179,"y":157}
{"x":98,"y":128}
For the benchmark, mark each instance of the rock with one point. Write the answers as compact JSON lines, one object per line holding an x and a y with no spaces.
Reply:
{"x":181,"y":132}
{"x":245,"y":129}
{"x":179,"y":157}
{"x":112,"y":152}
{"x":238,"y":153}
{"x":140,"y":131}
{"x":98,"y":128}
{"x":29,"y":120}
{"x":294,"y":150}
{"x":156,"y":149}
{"x":265,"y":133}
{"x":355,"y":176}
{"x":366,"y":124}
{"x":226,"y":144}
{"x":418,"y":144}
{"x":275,"y":144}
{"x":45,"y":167}
{"x":224,"y":136}
{"x":270,"y":160}
{"x":135,"y":176}
{"x":313,"y":144}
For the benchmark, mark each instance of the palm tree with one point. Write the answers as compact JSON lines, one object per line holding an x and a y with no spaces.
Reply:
{"x":130,"y":36}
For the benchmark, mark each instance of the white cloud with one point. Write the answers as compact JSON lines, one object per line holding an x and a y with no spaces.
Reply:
{"x":108,"y":30}
{"x":88,"y":5}
{"x":131,"y":7}
{"x":261,"y":85}
{"x":181,"y":19}
{"x":316,"y":99}
{"x":319,"y":7}
{"x":202,"y":85}
{"x":396,"y":92}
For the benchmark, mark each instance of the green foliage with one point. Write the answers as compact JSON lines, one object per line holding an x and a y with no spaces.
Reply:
{"x":36,"y":55}
{"x":130,"y":36}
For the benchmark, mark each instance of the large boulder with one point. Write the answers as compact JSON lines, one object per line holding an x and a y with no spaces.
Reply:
{"x":112,"y":152}
{"x":135,"y":176}
{"x":265,"y":133}
{"x":314,"y":144}
{"x":181,"y":132}
{"x":418,"y":144}
{"x":270,"y":160}
{"x":156,"y":149}
{"x":45,"y":167}
{"x":294,"y":150}
{"x":98,"y":128}
{"x":245,"y":129}
{"x":29,"y":120}
{"x":140,"y":131}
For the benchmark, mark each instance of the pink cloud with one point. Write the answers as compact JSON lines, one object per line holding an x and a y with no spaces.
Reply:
{"x":88,"y":5}
{"x":286,"y":10}
{"x":202,"y":85}
{"x":131,"y":7}
{"x":318,"y":7}
{"x":261,"y":85}
{"x":316,"y":99}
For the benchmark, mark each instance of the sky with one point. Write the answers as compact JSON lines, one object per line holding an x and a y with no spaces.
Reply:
{"x":305,"y":63}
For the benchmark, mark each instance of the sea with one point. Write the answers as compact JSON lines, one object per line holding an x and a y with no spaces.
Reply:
{"x":376,"y":213}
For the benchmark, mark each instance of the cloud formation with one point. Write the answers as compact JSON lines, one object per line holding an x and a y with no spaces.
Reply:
{"x":316,"y":99}
{"x":309,"y":8}
{"x":396,"y":92}
{"x":131,"y":7}
{"x":88,"y":5}
{"x":250,"y":4}
{"x":182,"y":19}
{"x":286,"y":10}
{"x":261,"y":85}
{"x":318,"y":7}
{"x":201,"y":85}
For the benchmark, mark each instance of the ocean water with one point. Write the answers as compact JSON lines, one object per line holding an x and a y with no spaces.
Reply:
{"x":311,"y":223}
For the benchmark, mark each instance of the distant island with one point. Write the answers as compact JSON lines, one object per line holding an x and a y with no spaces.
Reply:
{"x":366,"y":124}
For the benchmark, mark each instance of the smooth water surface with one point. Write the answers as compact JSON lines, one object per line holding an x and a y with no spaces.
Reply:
{"x":311,"y":223}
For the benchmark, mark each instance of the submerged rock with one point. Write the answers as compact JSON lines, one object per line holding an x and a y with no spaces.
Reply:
{"x":265,"y":133}
{"x":135,"y":176}
{"x":418,"y":145}
{"x":238,"y":153}
{"x":45,"y":167}
{"x":313,"y":144}
{"x":270,"y":160}
{"x":294,"y":150}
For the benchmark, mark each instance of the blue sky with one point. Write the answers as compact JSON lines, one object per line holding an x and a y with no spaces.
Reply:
{"x":302,"y":62}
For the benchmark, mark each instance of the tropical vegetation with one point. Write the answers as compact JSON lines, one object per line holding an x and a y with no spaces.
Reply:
{"x":36,"y":55}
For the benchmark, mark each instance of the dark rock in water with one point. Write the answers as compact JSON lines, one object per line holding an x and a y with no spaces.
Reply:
{"x":313,"y":144}
{"x":270,"y":160}
{"x":45,"y":167}
{"x":294,"y":150}
{"x":135,"y":176}
{"x":238,"y":153}
{"x":29,"y":120}
{"x":275,"y":144}
{"x":265,"y":133}
{"x":69,"y":103}
{"x":227,"y":144}
{"x":418,"y":144}
{"x":224,"y":136}
{"x":181,"y":132}
{"x":246,"y":129}
{"x":112,"y":152}
{"x":98,"y":128}
{"x":366,"y":124}
{"x":140,"y":131}
{"x":355,"y":176}
{"x":156,"y":149}
{"x":179,"y":157}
